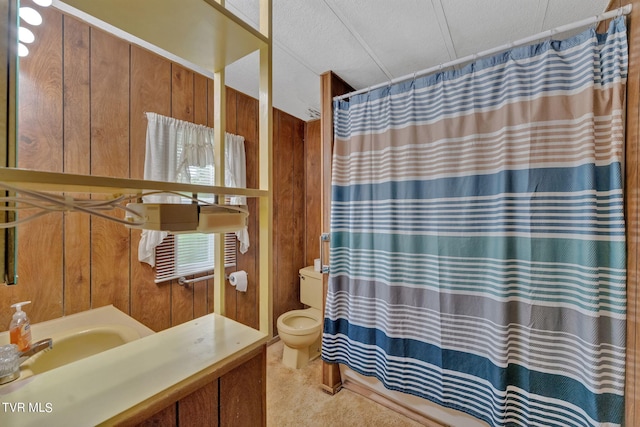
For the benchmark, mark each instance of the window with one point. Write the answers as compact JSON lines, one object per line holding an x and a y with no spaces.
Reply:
{"x":179,"y":151}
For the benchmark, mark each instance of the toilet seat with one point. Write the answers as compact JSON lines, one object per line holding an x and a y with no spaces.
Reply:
{"x":300,"y":322}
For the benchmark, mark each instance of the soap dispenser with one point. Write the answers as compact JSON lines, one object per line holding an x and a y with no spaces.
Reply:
{"x":20,"y":328}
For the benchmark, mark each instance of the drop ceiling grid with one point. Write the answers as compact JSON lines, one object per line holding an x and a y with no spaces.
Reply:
{"x":562,"y":12}
{"x":311,"y":30}
{"x":405,"y":38}
{"x":480,"y":25}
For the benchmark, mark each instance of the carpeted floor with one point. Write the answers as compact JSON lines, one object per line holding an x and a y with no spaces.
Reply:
{"x":294,"y":398}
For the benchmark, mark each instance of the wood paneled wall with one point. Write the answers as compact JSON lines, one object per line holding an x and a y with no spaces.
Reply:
{"x":313,"y":156}
{"x":83,"y":95}
{"x":288,"y":214}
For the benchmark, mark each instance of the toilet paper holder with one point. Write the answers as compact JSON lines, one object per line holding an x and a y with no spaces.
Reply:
{"x":239,"y":280}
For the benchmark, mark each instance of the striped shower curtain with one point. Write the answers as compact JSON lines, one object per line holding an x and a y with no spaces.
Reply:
{"x":477,"y":235}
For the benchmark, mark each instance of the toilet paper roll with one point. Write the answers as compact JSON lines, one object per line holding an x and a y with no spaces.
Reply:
{"x":316,"y":264}
{"x":239,"y":280}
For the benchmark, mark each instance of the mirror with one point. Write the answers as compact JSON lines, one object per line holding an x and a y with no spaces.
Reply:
{"x":8,"y":108}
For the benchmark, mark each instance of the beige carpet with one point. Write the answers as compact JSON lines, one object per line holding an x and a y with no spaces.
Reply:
{"x":294,"y":398}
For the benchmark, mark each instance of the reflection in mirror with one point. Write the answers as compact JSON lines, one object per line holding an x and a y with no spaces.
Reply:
{"x":8,"y":85}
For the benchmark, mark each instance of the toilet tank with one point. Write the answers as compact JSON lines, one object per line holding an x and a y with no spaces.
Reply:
{"x":311,"y":287}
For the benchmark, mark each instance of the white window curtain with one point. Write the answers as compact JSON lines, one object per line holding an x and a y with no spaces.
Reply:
{"x":172,"y":146}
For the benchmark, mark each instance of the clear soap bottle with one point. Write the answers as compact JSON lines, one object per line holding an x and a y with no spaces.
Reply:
{"x":20,"y":327}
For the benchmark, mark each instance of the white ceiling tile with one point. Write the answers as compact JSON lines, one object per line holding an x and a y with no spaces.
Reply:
{"x":310,"y":30}
{"x":405,"y":39}
{"x":480,"y":25}
{"x":562,"y":12}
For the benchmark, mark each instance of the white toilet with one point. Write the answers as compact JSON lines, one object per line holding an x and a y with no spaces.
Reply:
{"x":300,"y":330}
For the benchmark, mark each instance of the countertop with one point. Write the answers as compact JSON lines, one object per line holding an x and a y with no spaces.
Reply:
{"x":98,"y":388}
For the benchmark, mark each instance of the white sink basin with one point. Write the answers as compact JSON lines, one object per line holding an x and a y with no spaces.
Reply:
{"x":79,"y":336}
{"x":77,"y":344}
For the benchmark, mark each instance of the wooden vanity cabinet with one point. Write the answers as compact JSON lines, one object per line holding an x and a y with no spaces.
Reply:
{"x":234,"y":396}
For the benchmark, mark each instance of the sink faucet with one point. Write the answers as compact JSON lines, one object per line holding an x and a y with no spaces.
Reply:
{"x":34,"y":348}
{"x":11,"y":358}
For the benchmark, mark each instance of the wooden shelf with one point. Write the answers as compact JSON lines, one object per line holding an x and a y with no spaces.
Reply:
{"x":65,"y":182}
{"x":200,"y":31}
{"x":206,"y":35}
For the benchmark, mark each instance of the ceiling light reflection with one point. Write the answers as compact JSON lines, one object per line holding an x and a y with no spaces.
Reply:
{"x":22,"y":50}
{"x":30,"y":16}
{"x":25,"y":35}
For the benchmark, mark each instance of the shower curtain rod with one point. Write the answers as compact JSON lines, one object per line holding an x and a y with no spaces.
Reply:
{"x":625,"y":10}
